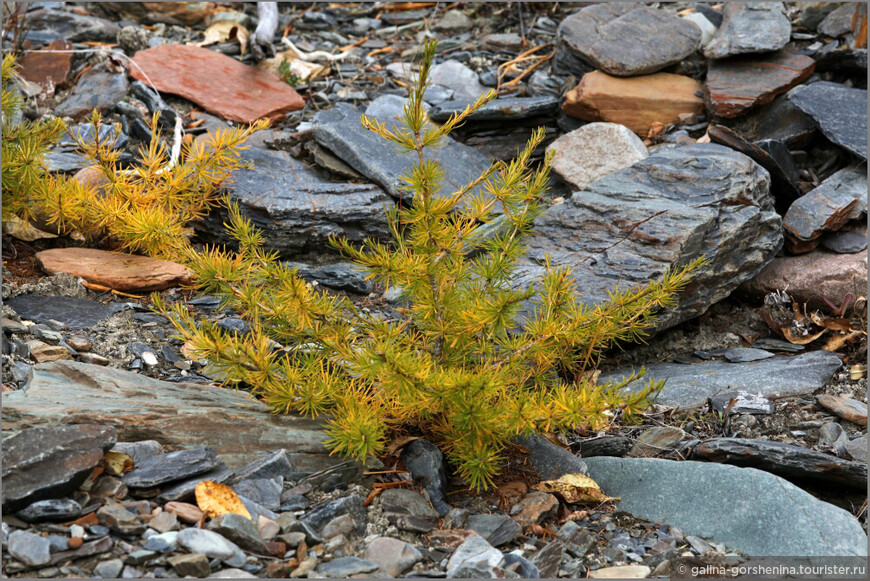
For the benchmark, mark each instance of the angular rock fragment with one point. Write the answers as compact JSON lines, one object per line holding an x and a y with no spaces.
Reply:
{"x":46,"y":68}
{"x":839,"y":111}
{"x":750,"y":27}
{"x":594,"y":151}
{"x":408,"y":510}
{"x":99,"y":88}
{"x":123,"y":272}
{"x":498,"y":110}
{"x":46,"y":25}
{"x":72,"y":312}
{"x":497,"y":529}
{"x":839,"y":22}
{"x":780,"y":120}
{"x":847,"y":408}
{"x":171,"y":467}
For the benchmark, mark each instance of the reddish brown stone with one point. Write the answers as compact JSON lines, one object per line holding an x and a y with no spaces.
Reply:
{"x":535,"y":508}
{"x":636,"y":102}
{"x":736,"y":85}
{"x":75,"y":542}
{"x":47,"y":69}
{"x":447,"y":538}
{"x":123,"y":272}
{"x":847,"y":408}
{"x":216,"y":82}
{"x":185,"y":511}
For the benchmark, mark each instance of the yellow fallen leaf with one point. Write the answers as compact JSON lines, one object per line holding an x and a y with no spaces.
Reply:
{"x":224,"y":31}
{"x":24,"y":230}
{"x":303,"y":70}
{"x":575,"y":489}
{"x":215,"y":499}
{"x":117,"y":463}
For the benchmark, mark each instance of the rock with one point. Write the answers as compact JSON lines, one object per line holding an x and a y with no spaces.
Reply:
{"x":189,"y":513}
{"x":426,"y":463}
{"x":628,"y":39}
{"x":171,"y":467}
{"x":233,"y":574}
{"x":748,"y":28}
{"x":190,"y":72}
{"x":707,"y":28}
{"x":393,"y":556}
{"x":304,"y":568}
{"x":621,"y":572}
{"x":839,"y":22}
{"x":786,"y":460}
{"x":594,"y":151}
{"x":345,"y":567}
{"x":31,"y":549}
{"x":607,"y":445}
{"x":275,"y":463}
{"x":497,"y":529}
{"x":47,"y":462}
{"x":43,"y":353}
{"x":766,"y":516}
{"x":99,"y":88}
{"x":319,"y":516}
{"x":239,"y":529}
{"x":812,"y":278}
{"x":117,"y":518}
{"x":47,"y":25}
{"x":547,"y":560}
{"x":53,"y":510}
{"x":845,"y":407}
{"x":780,"y":120}
{"x":635,"y":102}
{"x":408,"y":510}
{"x":339,"y":130}
{"x":735,"y":85}
{"x":669,"y":208}
{"x":857,"y":448}
{"x":689,"y":386}
{"x":503,"y":109}
{"x":826,"y":208}
{"x":295,"y":209}
{"x":47,"y":69}
{"x":844,"y":242}
{"x":505,"y":41}
{"x":155,"y":104}
{"x":123,"y":272}
{"x":139,"y":451}
{"x":193,"y":564}
{"x":457,"y":77}
{"x":746,"y":354}
{"x":264,"y":491}
{"x":109,"y":569}
{"x":453,"y":21}
{"x":72,"y":312}
{"x":164,"y":522}
{"x":656,"y":440}
{"x":341,"y":525}
{"x":177,"y":13}
{"x":343,"y":276}
{"x":813,"y":13}
{"x":549,"y":460}
{"x":839,"y":111}
{"x":520,"y":565}
{"x":211,"y":545}
{"x":744,"y":403}
{"x":176,"y":414}
{"x":535,"y":508}
{"x":473,"y":551}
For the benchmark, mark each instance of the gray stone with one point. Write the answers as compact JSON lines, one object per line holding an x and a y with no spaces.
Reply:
{"x":164,"y":542}
{"x":765,"y":516}
{"x":211,"y":545}
{"x":185,"y":489}
{"x":339,"y":130}
{"x":345,"y":567}
{"x":389,"y":109}
{"x":393,"y":556}
{"x":408,"y":510}
{"x":656,"y":440}
{"x":453,"y":21}
{"x":665,"y":210}
{"x":857,"y":448}
{"x":48,"y":24}
{"x":97,"y":89}
{"x":121,"y":520}
{"x":549,"y":460}
{"x":833,"y":434}
{"x":48,"y":462}
{"x":689,"y":386}
{"x":474,"y":551}
{"x":184,"y":415}
{"x":502,"y":41}
{"x":232,"y":574}
{"x":826,"y":208}
{"x":193,"y":564}
{"x":839,"y":111}
{"x":109,"y":569}
{"x":844,"y":242}
{"x":521,"y":565}
{"x":457,"y":77}
{"x":319,"y":516}
{"x":503,"y":109}
{"x":780,"y":120}
{"x":264,"y":491}
{"x":626,"y":39}
{"x":31,"y":549}
{"x":497,"y":529}
{"x":744,"y":403}
{"x":746,"y":354}
{"x":171,"y":467}
{"x":139,"y":451}
{"x":256,"y":509}
{"x":298,"y":211}
{"x":839,"y":22}
{"x":51,"y":510}
{"x":750,"y":27}
{"x":426,"y":463}
{"x":594,"y":151}
{"x":342,"y":526}
{"x":813,"y":13}
{"x":239,"y":529}
{"x":343,"y":276}
{"x":139,"y":557}
{"x":74,"y":313}
{"x":548,"y":559}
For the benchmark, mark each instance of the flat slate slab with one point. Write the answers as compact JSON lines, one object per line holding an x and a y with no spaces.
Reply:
{"x":838,"y":199}
{"x":753,"y":511}
{"x":627,"y":39}
{"x":689,"y":386}
{"x":498,"y":109}
{"x":216,"y":82}
{"x":736,"y":85}
{"x":123,"y":272}
{"x":748,"y":28}
{"x":181,"y":415}
{"x":72,"y":312}
{"x":839,"y":111}
{"x":99,"y":88}
{"x":339,"y":130}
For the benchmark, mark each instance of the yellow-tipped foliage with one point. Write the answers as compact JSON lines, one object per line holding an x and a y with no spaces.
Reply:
{"x":463,"y":366}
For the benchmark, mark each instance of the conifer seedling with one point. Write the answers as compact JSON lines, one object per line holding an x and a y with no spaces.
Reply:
{"x":474,"y":361}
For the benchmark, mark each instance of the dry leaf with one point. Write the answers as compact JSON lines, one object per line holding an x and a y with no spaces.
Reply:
{"x":216,"y":499}
{"x":24,"y":230}
{"x":303,"y":70}
{"x":400,"y":443}
{"x":857,"y":371}
{"x":838,"y":340}
{"x":801,"y":339}
{"x":225,"y":31}
{"x":117,"y":463}
{"x":575,"y":489}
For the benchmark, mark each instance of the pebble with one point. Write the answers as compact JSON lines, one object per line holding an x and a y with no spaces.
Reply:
{"x":594,"y":151}
{"x":29,"y":548}
{"x":193,"y":564}
{"x":393,"y":556}
{"x":212,"y":545}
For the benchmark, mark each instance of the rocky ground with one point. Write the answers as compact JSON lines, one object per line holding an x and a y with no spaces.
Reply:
{"x":738,"y":133}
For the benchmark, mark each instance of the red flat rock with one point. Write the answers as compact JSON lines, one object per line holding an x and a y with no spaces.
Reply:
{"x":216,"y":82}
{"x":123,"y":272}
{"x":49,"y":70}
{"x":736,"y":85}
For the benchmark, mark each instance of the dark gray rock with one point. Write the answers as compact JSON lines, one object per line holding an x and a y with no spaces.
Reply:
{"x":171,"y":467}
{"x":844,"y":242}
{"x":212,"y":545}
{"x":85,"y":132}
{"x":51,"y":510}
{"x":264,"y":491}
{"x":345,"y":567}
{"x":333,"y":475}
{"x":839,"y":111}
{"x":548,"y":559}
{"x":690,"y":386}
{"x":780,"y":120}
{"x":339,"y":130}
{"x":139,"y":451}
{"x":186,"y":489}
{"x":408,"y":510}
{"x":839,"y":22}
{"x":118,"y":518}
{"x":826,"y":208}
{"x":765,"y":516}
{"x":48,"y":24}
{"x":497,"y":529}
{"x":746,"y":354}
{"x":155,"y":103}
{"x":499,"y":109}
{"x":665,"y":210}
{"x":628,"y":39}
{"x":786,"y":460}
{"x":320,"y":515}
{"x":426,"y":463}
{"x":296,"y":210}
{"x":183,"y":415}
{"x":240,"y":530}
{"x":607,"y":445}
{"x":29,"y":548}
{"x":343,"y":276}
{"x":549,"y":460}
{"x":474,"y":551}
{"x":389,"y":109}
{"x":64,"y":162}
{"x":750,"y":27}
{"x":813,"y":13}
{"x":49,"y":462}
{"x":97,"y":89}
{"x":276,"y":463}
{"x":72,"y":312}
{"x":457,"y":77}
